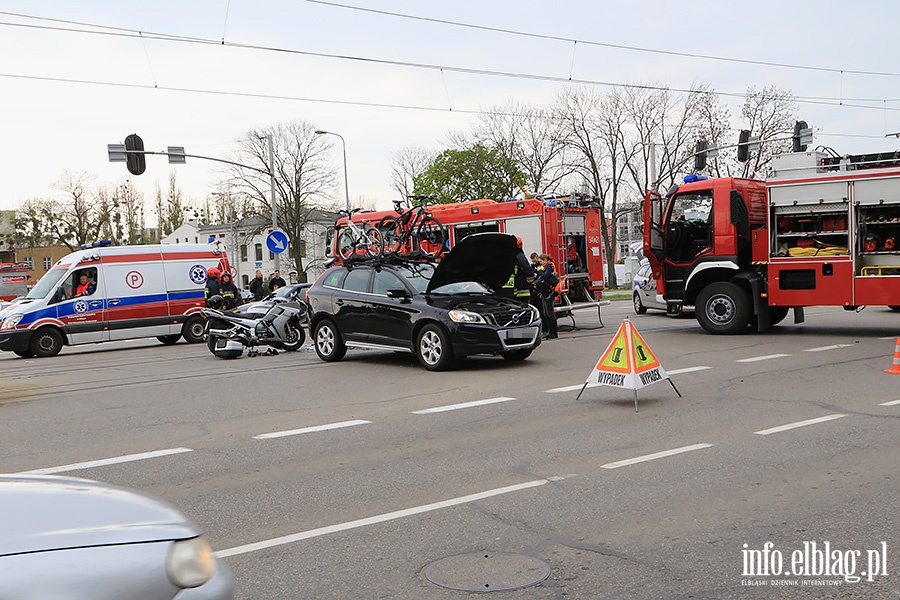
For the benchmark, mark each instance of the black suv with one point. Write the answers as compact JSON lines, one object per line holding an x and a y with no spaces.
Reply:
{"x":440,"y":312}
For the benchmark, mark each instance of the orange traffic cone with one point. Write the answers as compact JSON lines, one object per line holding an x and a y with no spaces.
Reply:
{"x":895,"y":368}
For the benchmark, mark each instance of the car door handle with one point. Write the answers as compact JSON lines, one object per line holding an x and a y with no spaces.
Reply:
{"x":113,"y":302}
{"x":96,"y":303}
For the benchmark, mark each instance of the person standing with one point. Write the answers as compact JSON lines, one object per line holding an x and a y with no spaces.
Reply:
{"x":212,"y":284}
{"x":545,"y":288}
{"x":258,"y":286}
{"x":523,"y":274}
{"x":276,"y":281}
{"x":228,"y":291}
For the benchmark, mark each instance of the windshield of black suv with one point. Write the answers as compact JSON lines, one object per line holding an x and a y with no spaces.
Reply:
{"x":462,"y":287}
{"x":418,"y":275}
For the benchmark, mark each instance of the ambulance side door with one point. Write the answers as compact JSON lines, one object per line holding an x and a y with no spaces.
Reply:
{"x":84,"y":317}
{"x":136,"y":299}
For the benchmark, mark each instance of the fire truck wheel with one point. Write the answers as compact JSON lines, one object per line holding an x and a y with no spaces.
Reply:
{"x":723,"y":308}
{"x":895,"y":308}
{"x":777,"y":314}
{"x":168,"y":340}
{"x":24,"y":353}
{"x":639,"y":308}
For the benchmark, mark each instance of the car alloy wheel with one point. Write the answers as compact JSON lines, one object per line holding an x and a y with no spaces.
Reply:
{"x":433,"y":349}
{"x":329,"y":345}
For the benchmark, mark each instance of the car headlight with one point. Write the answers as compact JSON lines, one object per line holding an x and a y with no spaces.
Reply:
{"x":11,"y":321}
{"x":464,"y":316}
{"x":190,"y":563}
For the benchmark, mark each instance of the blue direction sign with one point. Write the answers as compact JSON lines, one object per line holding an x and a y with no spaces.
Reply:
{"x":277,"y":241}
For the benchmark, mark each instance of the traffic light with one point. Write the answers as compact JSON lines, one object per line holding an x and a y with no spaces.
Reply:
{"x":700,"y":155}
{"x":743,"y":149}
{"x":134,"y":158}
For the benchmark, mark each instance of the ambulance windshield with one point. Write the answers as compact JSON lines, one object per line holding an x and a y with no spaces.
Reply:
{"x":46,"y":284}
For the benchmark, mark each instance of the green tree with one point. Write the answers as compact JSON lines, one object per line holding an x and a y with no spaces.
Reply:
{"x":470,"y":174}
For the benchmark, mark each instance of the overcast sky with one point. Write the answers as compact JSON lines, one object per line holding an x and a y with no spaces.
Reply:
{"x":66,"y":94}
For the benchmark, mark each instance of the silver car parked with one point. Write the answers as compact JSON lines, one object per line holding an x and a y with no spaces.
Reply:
{"x":78,"y":539}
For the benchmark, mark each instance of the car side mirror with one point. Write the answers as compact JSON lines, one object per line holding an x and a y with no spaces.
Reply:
{"x":399,"y":293}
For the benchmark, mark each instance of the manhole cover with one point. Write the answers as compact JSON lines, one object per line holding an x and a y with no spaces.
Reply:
{"x":487,"y":572}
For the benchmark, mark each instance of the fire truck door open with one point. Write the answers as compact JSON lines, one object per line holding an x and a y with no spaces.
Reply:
{"x":529,"y":229}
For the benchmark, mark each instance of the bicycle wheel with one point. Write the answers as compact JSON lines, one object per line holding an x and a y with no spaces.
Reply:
{"x":392,"y":234}
{"x":346,"y":245}
{"x":374,"y":243}
{"x":432,"y":237}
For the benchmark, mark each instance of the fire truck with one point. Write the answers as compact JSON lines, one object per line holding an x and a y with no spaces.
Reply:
{"x":13,"y":280}
{"x":567,"y":228}
{"x":823,"y":230}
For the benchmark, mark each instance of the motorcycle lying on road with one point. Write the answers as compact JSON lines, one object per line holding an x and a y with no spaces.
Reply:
{"x":276,"y":323}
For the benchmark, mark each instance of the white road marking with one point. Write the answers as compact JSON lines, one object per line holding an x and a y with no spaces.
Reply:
{"x":645,"y":458}
{"x":107,"y":461}
{"x":572,"y":388}
{"x":399,"y":514}
{"x":799,"y":424}
{"x":438,"y":409}
{"x":823,"y":348}
{"x":759,"y":358}
{"x":890,"y":337}
{"x":891,"y":403}
{"x":687,"y":370}
{"x":278,"y":434}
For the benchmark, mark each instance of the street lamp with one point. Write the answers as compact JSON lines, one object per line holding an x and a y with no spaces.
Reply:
{"x":344,"y":146}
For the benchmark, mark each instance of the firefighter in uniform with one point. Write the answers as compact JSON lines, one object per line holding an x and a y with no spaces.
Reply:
{"x":228,"y":291}
{"x":212,"y":284}
{"x":518,"y":285}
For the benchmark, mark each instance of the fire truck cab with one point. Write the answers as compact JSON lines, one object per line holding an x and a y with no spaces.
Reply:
{"x":823,"y":230}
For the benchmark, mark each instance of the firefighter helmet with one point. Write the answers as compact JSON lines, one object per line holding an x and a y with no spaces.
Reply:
{"x":213,"y":273}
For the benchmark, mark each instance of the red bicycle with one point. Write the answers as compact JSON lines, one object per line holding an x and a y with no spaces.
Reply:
{"x":413,"y":231}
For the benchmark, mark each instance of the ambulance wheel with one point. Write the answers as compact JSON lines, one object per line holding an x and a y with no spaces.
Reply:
{"x":723,"y":308}
{"x":168,"y":340}
{"x":24,"y":353}
{"x":45,"y":342}
{"x":193,"y":329}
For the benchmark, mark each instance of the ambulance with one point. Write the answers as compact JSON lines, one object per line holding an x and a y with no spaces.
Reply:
{"x":103,"y":293}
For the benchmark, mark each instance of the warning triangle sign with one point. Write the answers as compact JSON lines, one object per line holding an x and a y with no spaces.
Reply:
{"x":628,"y":362}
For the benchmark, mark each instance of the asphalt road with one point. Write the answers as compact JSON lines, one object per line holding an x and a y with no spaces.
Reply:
{"x":782,"y":443}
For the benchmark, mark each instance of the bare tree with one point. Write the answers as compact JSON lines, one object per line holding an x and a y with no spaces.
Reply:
{"x":83,"y":215}
{"x":531,"y":137}
{"x":304,"y":177}
{"x":407,"y":164}
{"x":597,"y":132}
{"x":170,"y":209}
{"x":130,"y":203}
{"x":769,"y":113}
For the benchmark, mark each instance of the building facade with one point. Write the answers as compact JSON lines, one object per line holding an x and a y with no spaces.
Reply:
{"x":245,"y":242}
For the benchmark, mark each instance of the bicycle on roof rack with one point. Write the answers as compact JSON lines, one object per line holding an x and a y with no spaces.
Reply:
{"x":352,"y":238}
{"x":413,"y":230}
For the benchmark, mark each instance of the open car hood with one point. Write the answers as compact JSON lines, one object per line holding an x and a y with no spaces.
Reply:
{"x":488,"y":258}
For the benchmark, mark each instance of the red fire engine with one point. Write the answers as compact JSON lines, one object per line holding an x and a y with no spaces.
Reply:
{"x":13,"y":280}
{"x":566,"y":228}
{"x":822,"y":231}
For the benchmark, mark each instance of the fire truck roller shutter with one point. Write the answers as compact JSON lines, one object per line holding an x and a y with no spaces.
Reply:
{"x":529,"y":229}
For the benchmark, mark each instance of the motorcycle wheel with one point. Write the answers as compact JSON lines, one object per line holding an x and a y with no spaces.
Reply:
{"x":227,"y":354}
{"x":294,"y":339}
